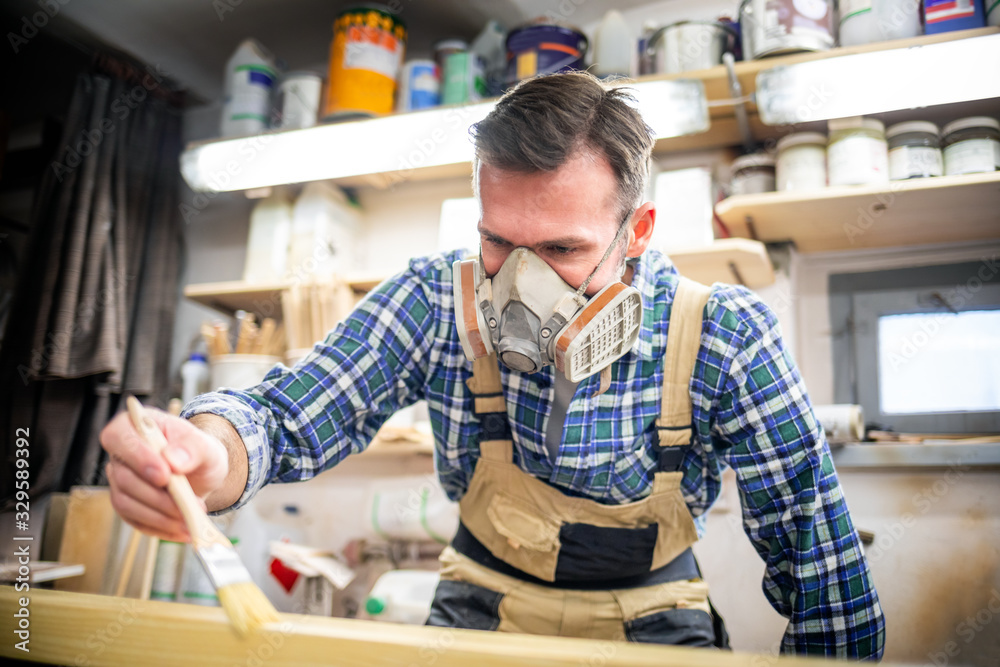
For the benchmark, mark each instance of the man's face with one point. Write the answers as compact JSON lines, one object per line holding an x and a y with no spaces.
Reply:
{"x":567,"y":217}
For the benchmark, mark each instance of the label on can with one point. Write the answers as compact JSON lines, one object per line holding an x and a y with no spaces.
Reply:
{"x":421,"y":86}
{"x":914,"y":162}
{"x":857,"y":161}
{"x":372,"y":49}
{"x":972,"y":156}
{"x":936,"y":11}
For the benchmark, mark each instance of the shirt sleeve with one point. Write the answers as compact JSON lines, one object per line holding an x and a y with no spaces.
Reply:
{"x":794,"y":511}
{"x":299,"y":422}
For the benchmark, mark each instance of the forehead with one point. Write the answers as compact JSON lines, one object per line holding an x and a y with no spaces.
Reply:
{"x":582,"y":193}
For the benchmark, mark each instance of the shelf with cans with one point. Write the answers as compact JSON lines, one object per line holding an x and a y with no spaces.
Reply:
{"x":433,"y":143}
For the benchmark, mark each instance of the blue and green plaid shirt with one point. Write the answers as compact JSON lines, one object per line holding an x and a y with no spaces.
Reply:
{"x":751,"y":412}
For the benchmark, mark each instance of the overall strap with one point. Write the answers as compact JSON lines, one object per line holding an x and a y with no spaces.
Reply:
{"x":495,"y":441}
{"x":683,"y":341}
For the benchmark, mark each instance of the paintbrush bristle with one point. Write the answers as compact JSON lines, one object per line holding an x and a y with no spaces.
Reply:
{"x":247,"y":607}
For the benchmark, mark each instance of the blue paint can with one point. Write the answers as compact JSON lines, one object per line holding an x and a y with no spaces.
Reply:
{"x":419,"y":86}
{"x":544,"y":48}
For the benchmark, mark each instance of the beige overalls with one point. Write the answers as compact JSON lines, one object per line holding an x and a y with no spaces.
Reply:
{"x":557,"y":551}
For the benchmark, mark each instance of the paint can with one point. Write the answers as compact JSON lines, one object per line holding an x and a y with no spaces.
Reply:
{"x":464,"y":78}
{"x":298,"y":100}
{"x":366,"y":55}
{"x":419,"y":86}
{"x":773,"y":27}
{"x":543,"y":47}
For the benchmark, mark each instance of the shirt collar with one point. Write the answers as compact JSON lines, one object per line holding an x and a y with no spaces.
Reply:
{"x":652,"y":271}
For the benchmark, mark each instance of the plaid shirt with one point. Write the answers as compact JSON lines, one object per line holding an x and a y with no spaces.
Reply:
{"x":750,"y":412}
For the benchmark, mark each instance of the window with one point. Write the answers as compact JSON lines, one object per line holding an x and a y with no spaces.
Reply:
{"x":919,"y":348}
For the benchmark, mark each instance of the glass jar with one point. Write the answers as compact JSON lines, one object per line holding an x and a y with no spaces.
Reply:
{"x":971,"y":145}
{"x":857,"y":153}
{"x":914,"y":150}
{"x":752,"y":174}
{"x":801,"y":161}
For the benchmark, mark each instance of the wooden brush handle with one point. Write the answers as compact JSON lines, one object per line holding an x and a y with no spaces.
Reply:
{"x":202,"y":530}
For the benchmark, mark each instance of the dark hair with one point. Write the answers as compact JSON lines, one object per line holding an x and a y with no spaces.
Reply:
{"x":546,"y":120}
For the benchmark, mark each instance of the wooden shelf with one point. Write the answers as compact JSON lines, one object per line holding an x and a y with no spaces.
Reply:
{"x":946,"y":209}
{"x":724,"y":131}
{"x":736,"y":260}
{"x":261,"y":299}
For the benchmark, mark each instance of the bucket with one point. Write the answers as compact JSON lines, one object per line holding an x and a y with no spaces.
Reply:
{"x":240,"y":371}
{"x":774,"y":27}
{"x":690,"y":45}
{"x":298,"y":100}
{"x":544,"y":48}
{"x":365,"y":58}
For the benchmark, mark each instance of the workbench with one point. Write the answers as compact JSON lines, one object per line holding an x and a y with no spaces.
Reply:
{"x":82,"y":629}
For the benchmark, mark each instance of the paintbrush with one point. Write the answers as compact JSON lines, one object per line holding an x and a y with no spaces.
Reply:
{"x":245,"y":604}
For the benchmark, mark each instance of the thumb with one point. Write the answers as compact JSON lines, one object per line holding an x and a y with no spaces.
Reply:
{"x":180,"y":459}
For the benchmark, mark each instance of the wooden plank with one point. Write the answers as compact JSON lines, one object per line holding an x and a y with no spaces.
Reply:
{"x":74,"y":628}
{"x":735,"y":260}
{"x":88,"y":537}
{"x":946,"y":209}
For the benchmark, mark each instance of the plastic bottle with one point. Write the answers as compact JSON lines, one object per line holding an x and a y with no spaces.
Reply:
{"x":249,"y":82}
{"x":614,"y":46}
{"x":194,"y":375}
{"x":402,"y":596}
{"x":491,"y":45}
{"x":270,"y":235}
{"x":324,"y":233}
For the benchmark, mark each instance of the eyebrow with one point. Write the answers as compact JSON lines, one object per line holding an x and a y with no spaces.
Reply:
{"x":564,"y":241}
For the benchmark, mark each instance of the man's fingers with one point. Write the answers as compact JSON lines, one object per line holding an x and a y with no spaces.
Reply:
{"x":124,"y":444}
{"x":157,"y":532}
{"x":125,"y":481}
{"x":137,"y":513}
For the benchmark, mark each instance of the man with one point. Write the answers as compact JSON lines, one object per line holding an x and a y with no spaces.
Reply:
{"x":584,"y":456}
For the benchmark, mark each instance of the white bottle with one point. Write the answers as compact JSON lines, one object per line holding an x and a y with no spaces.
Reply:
{"x":249,"y":82}
{"x":324,"y":233}
{"x":491,"y":46}
{"x":167,"y":571}
{"x":194,"y":376}
{"x":614,"y":47}
{"x":402,"y":596}
{"x":269,"y":239}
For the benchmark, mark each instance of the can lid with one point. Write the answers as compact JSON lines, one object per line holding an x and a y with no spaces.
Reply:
{"x":375,"y":606}
{"x":753,"y":160}
{"x":911,"y":126}
{"x":459,"y":44}
{"x":971,"y":121}
{"x":855,"y":123}
{"x":801,"y":138}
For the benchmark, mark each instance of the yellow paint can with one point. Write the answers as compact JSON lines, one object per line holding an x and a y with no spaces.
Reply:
{"x":365,"y":59}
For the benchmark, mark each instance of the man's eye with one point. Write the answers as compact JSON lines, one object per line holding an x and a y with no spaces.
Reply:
{"x":495,"y":242}
{"x":561,"y":250}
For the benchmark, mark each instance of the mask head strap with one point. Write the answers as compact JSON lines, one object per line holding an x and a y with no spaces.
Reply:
{"x":607,"y":253}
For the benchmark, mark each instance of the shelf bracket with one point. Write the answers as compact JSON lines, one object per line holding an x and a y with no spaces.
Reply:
{"x":739,"y":104}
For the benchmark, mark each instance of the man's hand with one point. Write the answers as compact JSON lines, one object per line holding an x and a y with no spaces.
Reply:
{"x":138,"y":476}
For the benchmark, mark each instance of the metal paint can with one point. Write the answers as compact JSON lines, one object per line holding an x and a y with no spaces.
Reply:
{"x":690,"y":45}
{"x":544,"y":48}
{"x":419,"y":86}
{"x":772,"y":27}
{"x":298,"y":100}
{"x":366,"y":55}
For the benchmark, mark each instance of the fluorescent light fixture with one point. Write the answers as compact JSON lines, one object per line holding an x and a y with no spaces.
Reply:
{"x":396,"y":145}
{"x":880,"y":81}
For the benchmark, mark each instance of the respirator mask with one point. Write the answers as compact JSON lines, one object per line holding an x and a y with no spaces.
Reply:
{"x":532,"y":318}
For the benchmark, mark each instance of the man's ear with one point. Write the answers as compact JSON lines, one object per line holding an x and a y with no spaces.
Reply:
{"x":641,"y":229}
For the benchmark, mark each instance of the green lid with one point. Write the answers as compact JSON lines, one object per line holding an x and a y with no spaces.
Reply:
{"x":375,"y":606}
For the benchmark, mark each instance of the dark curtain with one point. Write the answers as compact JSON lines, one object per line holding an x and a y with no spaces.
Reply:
{"x":94,"y":308}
